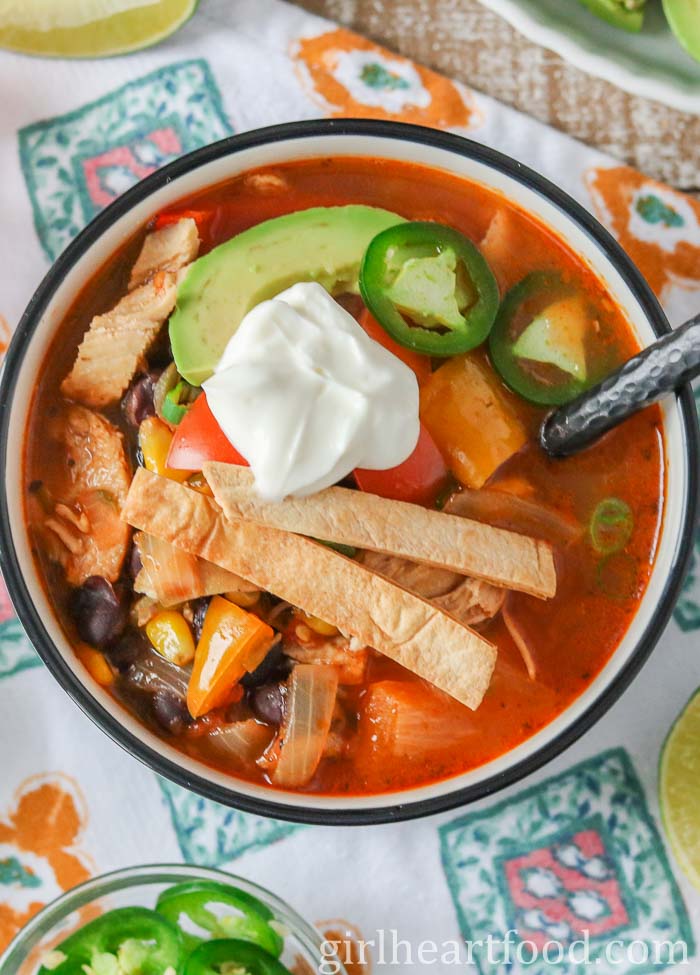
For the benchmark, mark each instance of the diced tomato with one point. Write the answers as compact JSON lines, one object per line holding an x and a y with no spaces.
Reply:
{"x":201,"y":217}
{"x":198,"y":437}
{"x":419,"y":479}
{"x":420,"y":364}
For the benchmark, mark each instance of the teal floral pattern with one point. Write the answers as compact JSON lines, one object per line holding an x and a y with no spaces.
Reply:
{"x":210,"y":834}
{"x":575,"y":856}
{"x":77,"y":163}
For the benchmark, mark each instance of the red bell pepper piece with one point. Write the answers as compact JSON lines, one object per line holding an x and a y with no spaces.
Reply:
{"x":198,"y":437}
{"x":419,"y":479}
{"x":420,"y":364}
{"x":201,"y":217}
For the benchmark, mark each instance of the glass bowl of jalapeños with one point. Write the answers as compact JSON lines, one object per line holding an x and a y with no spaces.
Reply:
{"x":169,"y":919}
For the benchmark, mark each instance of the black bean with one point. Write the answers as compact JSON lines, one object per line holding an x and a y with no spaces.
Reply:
{"x":199,"y":611}
{"x":100,"y":611}
{"x":137,"y":403}
{"x":127,"y":649}
{"x":134,"y":563}
{"x":274,"y":666}
{"x":267,"y":702}
{"x":170,"y":711}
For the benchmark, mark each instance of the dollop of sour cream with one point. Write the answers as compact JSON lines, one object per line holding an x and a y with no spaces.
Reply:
{"x":306,"y":396}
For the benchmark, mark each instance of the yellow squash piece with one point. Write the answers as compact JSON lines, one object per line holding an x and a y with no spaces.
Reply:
{"x":154,"y":440}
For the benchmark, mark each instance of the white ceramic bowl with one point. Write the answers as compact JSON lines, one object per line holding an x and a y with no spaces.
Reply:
{"x":222,"y":161}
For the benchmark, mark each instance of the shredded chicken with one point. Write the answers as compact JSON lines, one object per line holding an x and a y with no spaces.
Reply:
{"x":336,"y":652}
{"x":471,"y":601}
{"x":86,"y":521}
{"x":115,"y":346}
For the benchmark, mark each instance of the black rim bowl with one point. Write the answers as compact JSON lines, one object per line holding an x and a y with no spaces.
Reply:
{"x":9,"y":562}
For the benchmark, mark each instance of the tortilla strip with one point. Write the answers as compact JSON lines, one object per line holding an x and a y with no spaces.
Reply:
{"x":471,"y":548}
{"x":320,"y":581}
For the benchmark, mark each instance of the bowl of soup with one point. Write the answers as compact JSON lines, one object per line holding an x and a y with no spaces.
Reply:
{"x":277,"y":516}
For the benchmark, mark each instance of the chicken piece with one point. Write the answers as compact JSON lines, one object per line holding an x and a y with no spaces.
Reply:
{"x":426,"y":580}
{"x":350,"y":664}
{"x":114,"y":348}
{"x":471,"y":601}
{"x":87,"y":520}
{"x":168,"y":249}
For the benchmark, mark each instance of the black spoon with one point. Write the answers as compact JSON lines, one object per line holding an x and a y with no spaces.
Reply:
{"x":658,"y":370}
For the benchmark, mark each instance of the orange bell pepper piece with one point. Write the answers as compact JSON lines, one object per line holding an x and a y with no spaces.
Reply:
{"x":474,"y":420}
{"x":232,"y":643}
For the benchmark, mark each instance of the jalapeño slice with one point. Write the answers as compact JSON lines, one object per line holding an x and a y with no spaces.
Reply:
{"x":232,"y":955}
{"x":130,"y":938}
{"x":538,"y":342}
{"x":430,"y":288}
{"x":220,"y":911}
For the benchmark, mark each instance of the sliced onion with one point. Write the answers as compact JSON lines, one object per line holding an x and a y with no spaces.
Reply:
{"x":168,"y":574}
{"x":241,"y":742}
{"x":519,"y":639}
{"x":153,"y":674}
{"x":303,"y":736}
{"x":517,"y":514}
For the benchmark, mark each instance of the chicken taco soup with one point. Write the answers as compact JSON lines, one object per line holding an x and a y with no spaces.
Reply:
{"x":285,"y":489}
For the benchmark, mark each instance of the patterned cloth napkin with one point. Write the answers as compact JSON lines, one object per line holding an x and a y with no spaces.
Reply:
{"x":579,"y":845}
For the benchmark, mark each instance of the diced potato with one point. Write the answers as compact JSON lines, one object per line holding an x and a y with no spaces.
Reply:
{"x":471,"y":418}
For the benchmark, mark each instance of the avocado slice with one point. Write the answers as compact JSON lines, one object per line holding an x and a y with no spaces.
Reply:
{"x":557,"y":337}
{"x":324,"y":244}
{"x":684,"y":19}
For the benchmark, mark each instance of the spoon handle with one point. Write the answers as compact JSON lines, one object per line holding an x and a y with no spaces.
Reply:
{"x":656,"y":371}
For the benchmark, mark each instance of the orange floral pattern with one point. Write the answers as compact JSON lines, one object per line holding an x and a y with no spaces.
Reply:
{"x":351,"y":76}
{"x":658,"y":227}
{"x":349,"y":944}
{"x":5,"y":335}
{"x":39,"y":856}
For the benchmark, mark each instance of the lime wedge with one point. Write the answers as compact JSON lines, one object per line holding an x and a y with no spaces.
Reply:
{"x":89,"y":28}
{"x":684,"y":19}
{"x":679,"y":789}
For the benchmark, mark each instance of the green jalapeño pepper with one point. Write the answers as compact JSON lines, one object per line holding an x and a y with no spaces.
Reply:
{"x":626,"y":14}
{"x":538,"y":343}
{"x":126,"y":941}
{"x":243,"y":917}
{"x":230,"y":954}
{"x":430,"y":288}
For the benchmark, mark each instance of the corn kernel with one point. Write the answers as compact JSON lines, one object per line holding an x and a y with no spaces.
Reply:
{"x":243,"y":599}
{"x":171,"y":637}
{"x":198,"y":482}
{"x":317,"y":625}
{"x":154,"y":440}
{"x":95,"y":664}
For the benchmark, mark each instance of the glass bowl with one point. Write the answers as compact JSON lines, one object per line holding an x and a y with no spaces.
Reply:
{"x":305,"y":951}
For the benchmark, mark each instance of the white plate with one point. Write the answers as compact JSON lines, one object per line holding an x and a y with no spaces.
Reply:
{"x":651,"y":64}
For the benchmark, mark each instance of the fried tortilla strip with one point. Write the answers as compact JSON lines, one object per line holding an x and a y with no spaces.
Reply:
{"x":320,"y":581}
{"x":168,"y":249}
{"x":366,"y":521}
{"x":115,"y":346}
